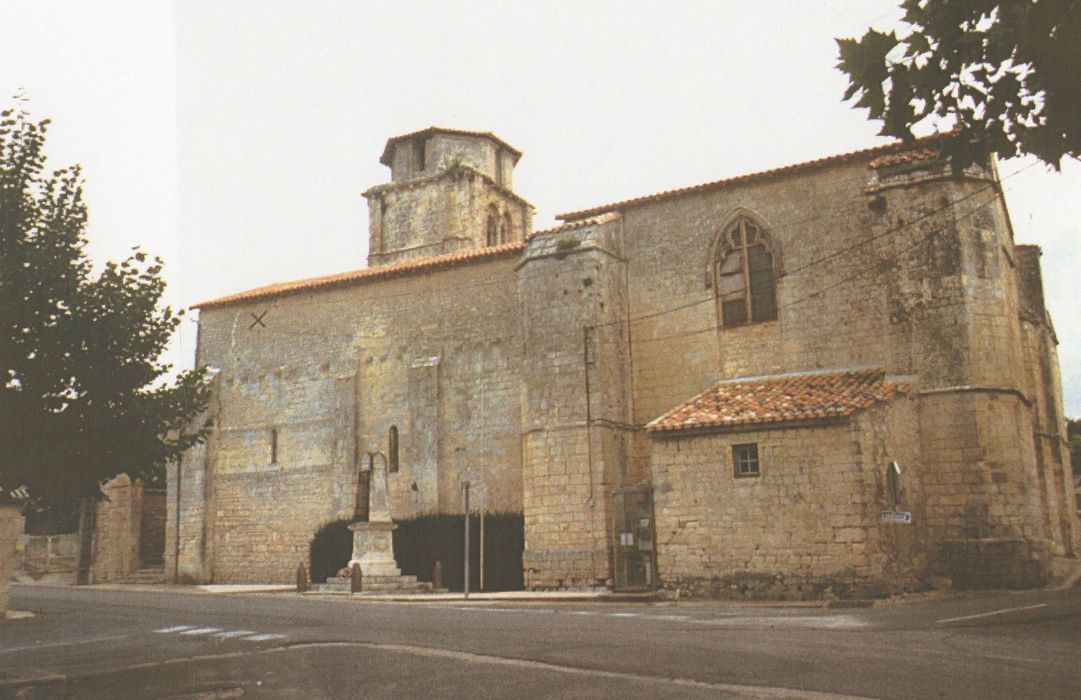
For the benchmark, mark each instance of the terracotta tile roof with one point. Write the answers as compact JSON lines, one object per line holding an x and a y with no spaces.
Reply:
{"x":432,"y":130}
{"x":408,"y":267}
{"x":913,"y":156}
{"x":779,"y":399}
{"x":850,"y":157}
{"x":578,"y":223}
{"x":368,"y":274}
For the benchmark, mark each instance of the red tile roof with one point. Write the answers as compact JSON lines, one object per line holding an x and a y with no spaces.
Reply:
{"x":368,"y":274}
{"x":578,"y":223}
{"x":850,"y":157}
{"x":407,"y":267}
{"x":779,"y":399}
{"x":913,"y":156}
{"x":432,"y":130}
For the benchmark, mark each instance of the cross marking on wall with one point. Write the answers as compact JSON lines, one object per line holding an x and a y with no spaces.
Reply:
{"x":258,"y":320}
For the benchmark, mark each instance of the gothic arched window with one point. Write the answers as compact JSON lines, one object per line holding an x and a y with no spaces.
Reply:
{"x":743,"y":275}
{"x":494,"y":233}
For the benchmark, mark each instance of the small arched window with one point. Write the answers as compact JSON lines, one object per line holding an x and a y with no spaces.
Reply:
{"x":392,"y":450}
{"x":743,"y":274}
{"x":505,"y":228}
{"x":494,"y":233}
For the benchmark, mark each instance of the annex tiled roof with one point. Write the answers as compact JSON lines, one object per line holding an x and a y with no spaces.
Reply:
{"x":850,"y":157}
{"x":779,"y":399}
{"x":346,"y":279}
{"x":579,"y":223}
{"x":431,"y":130}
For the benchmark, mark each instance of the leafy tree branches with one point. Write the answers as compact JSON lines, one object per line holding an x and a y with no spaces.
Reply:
{"x":1003,"y":73}
{"x":83,"y":390}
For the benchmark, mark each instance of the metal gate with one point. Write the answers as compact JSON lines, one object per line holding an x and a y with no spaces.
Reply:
{"x":84,"y":559}
{"x":632,"y":528}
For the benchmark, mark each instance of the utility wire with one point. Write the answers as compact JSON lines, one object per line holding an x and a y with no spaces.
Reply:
{"x":711,"y":298}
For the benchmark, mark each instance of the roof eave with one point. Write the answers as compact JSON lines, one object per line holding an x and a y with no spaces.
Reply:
{"x":782,"y":171}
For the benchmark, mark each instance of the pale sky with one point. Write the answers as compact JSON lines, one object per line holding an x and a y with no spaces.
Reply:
{"x":234,"y":138}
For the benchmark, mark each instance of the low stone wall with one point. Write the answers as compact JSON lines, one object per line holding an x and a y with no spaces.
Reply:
{"x":38,"y":555}
{"x":11,"y":526}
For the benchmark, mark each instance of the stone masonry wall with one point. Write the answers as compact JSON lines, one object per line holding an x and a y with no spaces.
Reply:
{"x":11,"y":526}
{"x":808,"y":526}
{"x":575,"y":411}
{"x":982,"y":495}
{"x":327,"y":376}
{"x":908,"y":270}
{"x":116,"y":532}
{"x":856,"y":286}
{"x":799,"y":529}
{"x":1043,"y":383}
{"x":441,"y":213}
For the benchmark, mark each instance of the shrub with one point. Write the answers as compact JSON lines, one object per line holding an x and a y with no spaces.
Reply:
{"x":330,"y":549}
{"x":421,"y":541}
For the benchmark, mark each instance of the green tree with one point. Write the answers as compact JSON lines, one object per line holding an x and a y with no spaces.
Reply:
{"x":1002,"y":73}
{"x":83,"y":393}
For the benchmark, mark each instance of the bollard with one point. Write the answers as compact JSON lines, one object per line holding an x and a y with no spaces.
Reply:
{"x":302,"y":579}
{"x":437,"y":575}
{"x":356,"y":580}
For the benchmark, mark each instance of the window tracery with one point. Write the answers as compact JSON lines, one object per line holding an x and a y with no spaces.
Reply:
{"x":744,"y":276}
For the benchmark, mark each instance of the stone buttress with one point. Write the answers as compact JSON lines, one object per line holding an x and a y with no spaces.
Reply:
{"x":575,"y":409}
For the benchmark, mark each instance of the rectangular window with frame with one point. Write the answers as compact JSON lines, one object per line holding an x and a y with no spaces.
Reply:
{"x":745,"y":460}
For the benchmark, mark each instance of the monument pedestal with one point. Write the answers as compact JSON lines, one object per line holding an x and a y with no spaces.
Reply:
{"x":373,"y":549}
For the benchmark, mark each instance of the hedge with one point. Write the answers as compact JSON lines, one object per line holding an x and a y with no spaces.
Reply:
{"x":421,"y":541}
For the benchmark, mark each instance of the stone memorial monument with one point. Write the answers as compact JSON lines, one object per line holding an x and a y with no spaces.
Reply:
{"x":373,"y":541}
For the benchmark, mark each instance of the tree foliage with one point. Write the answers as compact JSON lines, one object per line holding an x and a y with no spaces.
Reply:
{"x":83,"y":395}
{"x":1002,"y":73}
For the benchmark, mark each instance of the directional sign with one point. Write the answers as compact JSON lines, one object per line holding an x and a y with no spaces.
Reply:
{"x":897,"y":516}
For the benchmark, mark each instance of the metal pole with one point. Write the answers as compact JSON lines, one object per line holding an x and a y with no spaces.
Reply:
{"x":483,"y":507}
{"x":465,"y":489}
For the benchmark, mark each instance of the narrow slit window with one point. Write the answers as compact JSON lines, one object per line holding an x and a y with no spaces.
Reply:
{"x":392,"y":449}
{"x":273,"y":445}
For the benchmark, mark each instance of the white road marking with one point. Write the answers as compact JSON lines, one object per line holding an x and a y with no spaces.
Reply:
{"x":815,"y":621}
{"x":234,"y":633}
{"x":170,"y":630}
{"x":201,"y":630}
{"x":1003,"y":611}
{"x":724,"y":620}
{"x":262,"y":637}
{"x":52,"y":645}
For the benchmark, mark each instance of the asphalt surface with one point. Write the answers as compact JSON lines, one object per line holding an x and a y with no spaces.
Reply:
{"x":172,"y":643}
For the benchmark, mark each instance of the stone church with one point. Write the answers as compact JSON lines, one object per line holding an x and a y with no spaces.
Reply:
{"x":832,"y":378}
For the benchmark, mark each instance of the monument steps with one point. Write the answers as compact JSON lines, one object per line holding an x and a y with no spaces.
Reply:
{"x":376,"y":584}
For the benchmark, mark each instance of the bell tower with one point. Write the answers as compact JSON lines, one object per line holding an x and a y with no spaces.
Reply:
{"x":449,"y":191}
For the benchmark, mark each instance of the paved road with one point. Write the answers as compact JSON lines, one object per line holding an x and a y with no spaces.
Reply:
{"x":85,"y":642}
